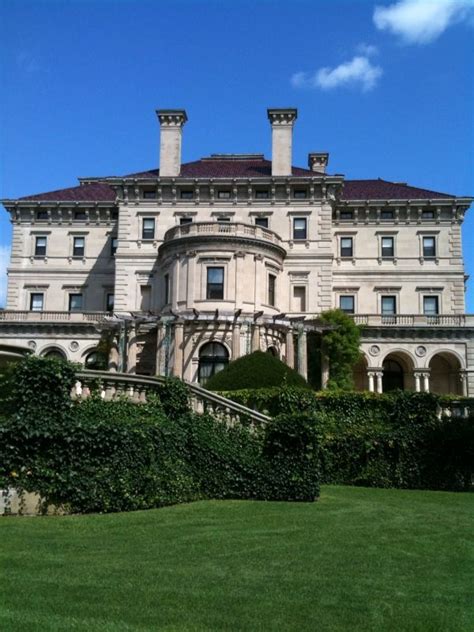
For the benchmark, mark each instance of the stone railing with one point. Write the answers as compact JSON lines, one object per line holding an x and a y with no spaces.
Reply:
{"x":458,"y":407}
{"x":138,"y":387}
{"x":52,"y":317}
{"x":223,"y":229}
{"x":414,"y":320}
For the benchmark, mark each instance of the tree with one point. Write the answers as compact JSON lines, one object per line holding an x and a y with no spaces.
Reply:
{"x":340,"y":345}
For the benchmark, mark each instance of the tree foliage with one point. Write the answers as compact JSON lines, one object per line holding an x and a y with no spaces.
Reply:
{"x":341,"y":346}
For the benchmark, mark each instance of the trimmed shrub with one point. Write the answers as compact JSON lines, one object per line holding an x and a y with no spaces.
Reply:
{"x":255,"y":370}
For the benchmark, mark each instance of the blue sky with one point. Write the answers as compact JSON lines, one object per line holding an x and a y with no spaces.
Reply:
{"x":385,"y":87}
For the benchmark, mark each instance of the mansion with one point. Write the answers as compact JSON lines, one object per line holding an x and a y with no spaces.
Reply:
{"x":181,"y":269}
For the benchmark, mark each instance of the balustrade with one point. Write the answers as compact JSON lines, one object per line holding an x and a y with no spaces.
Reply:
{"x":223,"y":229}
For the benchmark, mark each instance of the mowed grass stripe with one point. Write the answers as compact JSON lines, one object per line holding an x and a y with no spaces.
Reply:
{"x":359,"y":559}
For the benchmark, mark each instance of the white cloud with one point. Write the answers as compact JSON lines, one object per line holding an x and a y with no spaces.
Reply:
{"x":421,"y":21}
{"x":4,"y":261}
{"x":357,"y":72}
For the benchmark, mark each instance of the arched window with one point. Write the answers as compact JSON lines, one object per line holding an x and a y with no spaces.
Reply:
{"x":392,"y":376}
{"x":96,"y":361}
{"x":54,"y":352}
{"x":273,"y":351}
{"x":213,"y":357}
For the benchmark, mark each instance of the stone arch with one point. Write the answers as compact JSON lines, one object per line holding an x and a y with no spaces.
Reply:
{"x":54,"y":351}
{"x":398,"y":371}
{"x":213,"y":357}
{"x":445,"y":373}
{"x":360,"y":374}
{"x":94,"y":359}
{"x":273,"y":350}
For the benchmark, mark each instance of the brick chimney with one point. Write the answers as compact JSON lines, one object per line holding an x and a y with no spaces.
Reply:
{"x":318,"y":162}
{"x":171,"y":130}
{"x":282,"y":121}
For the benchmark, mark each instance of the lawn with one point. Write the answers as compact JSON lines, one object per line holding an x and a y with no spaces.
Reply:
{"x":359,"y":559}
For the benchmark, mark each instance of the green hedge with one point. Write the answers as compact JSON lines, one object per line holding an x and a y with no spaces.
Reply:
{"x":255,"y":370}
{"x":102,"y":456}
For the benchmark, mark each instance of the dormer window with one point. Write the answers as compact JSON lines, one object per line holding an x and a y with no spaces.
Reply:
{"x":80,"y":215}
{"x":386,"y":214}
{"x":187,"y":195}
{"x":427,"y":215}
{"x":300,"y":194}
{"x":149,"y":194}
{"x":42,"y":215}
{"x":223,"y":195}
{"x":347,"y":215}
{"x":262,"y":195}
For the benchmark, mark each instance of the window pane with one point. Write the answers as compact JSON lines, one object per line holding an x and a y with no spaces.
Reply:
{"x":346,"y":303}
{"x":80,"y":215}
{"x":78,"y":247}
{"x":389,"y":305}
{"x":429,"y":247}
{"x":215,"y":283}
{"x":271,"y":289}
{"x":36,"y":302}
{"x":145,"y":297}
{"x":299,"y":194}
{"x":185,"y":220}
{"x":261,"y":221}
{"x":261,"y":195}
{"x":148,"y":228}
{"x":299,"y":298}
{"x":40,"y":246}
{"x":75,"y":302}
{"x":167,"y":289}
{"x":387,"y":247}
{"x":299,"y":228}
{"x":386,"y":215}
{"x":346,"y":215}
{"x":110,"y":302}
{"x":113,"y":246}
{"x":346,"y":247}
{"x":149,"y":195}
{"x":430,"y":305}
{"x":223,"y":195}
{"x":187,"y":195}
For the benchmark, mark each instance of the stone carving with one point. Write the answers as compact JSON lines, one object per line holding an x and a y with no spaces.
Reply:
{"x":374,"y":350}
{"x":420,"y":351}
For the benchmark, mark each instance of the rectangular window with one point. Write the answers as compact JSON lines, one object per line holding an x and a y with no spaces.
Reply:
{"x":148,"y":229}
{"x":389,"y":305}
{"x":388,"y":248}
{"x":149,"y":194}
{"x":80,"y":215}
{"x":41,"y":215}
{"x":347,"y":215}
{"x":427,"y":215}
{"x":347,"y":249}
{"x":261,"y":195}
{"x":430,"y":305}
{"x":300,"y":228}
{"x":40,"y":246}
{"x":271,"y":289}
{"x":36,"y":301}
{"x":113,"y":246}
{"x":78,"y":247}
{"x":115,"y":214}
{"x":215,"y":283}
{"x":223,"y":219}
{"x":110,"y":299}
{"x":299,"y":298}
{"x":185,"y":220}
{"x":347,"y":304}
{"x":167,"y":289}
{"x":75,"y":302}
{"x":145,"y":297}
{"x":429,"y":247}
{"x":386,"y":214}
{"x":261,"y":221}
{"x":187,"y":195}
{"x":300,"y":194}
{"x":223,"y":195}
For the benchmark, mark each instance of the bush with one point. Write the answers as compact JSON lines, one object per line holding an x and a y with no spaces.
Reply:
{"x":256,"y":370}
{"x":341,"y":345}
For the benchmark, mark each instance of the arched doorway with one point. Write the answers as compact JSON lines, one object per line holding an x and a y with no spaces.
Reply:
{"x":213,"y":357}
{"x":393,"y":376}
{"x":445,"y":375}
{"x":54,"y":352}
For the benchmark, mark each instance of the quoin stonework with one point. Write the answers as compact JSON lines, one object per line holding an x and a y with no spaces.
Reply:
{"x":179,"y":270}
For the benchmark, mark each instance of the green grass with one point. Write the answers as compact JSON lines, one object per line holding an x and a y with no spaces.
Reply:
{"x":359,"y":559}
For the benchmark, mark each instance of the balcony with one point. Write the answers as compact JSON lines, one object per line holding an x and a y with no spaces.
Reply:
{"x":12,"y":316}
{"x":414,"y":320}
{"x":222,"y":230}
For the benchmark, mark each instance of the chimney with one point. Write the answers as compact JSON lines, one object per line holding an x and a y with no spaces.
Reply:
{"x":318,"y":162}
{"x":282,"y":121}
{"x":171,"y":130}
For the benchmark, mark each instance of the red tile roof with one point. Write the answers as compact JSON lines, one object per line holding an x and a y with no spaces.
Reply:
{"x":244,"y":167}
{"x":95,"y":192}
{"x":384,"y":190}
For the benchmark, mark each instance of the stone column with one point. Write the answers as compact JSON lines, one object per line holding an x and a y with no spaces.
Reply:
{"x":159,"y":358}
{"x":290,"y":349}
{"x":417,"y":382}
{"x":302,"y":355}
{"x":236,"y":341}
{"x":178,"y":349}
{"x":463,"y":378}
{"x":426,"y":382}
{"x":132,"y":350}
{"x":324,"y":371}
{"x":371,"y":376}
{"x":256,"y":338}
{"x":379,"y":376}
{"x":114,"y":357}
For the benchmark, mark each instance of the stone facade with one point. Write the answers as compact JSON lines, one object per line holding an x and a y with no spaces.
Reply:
{"x":183,"y":269}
